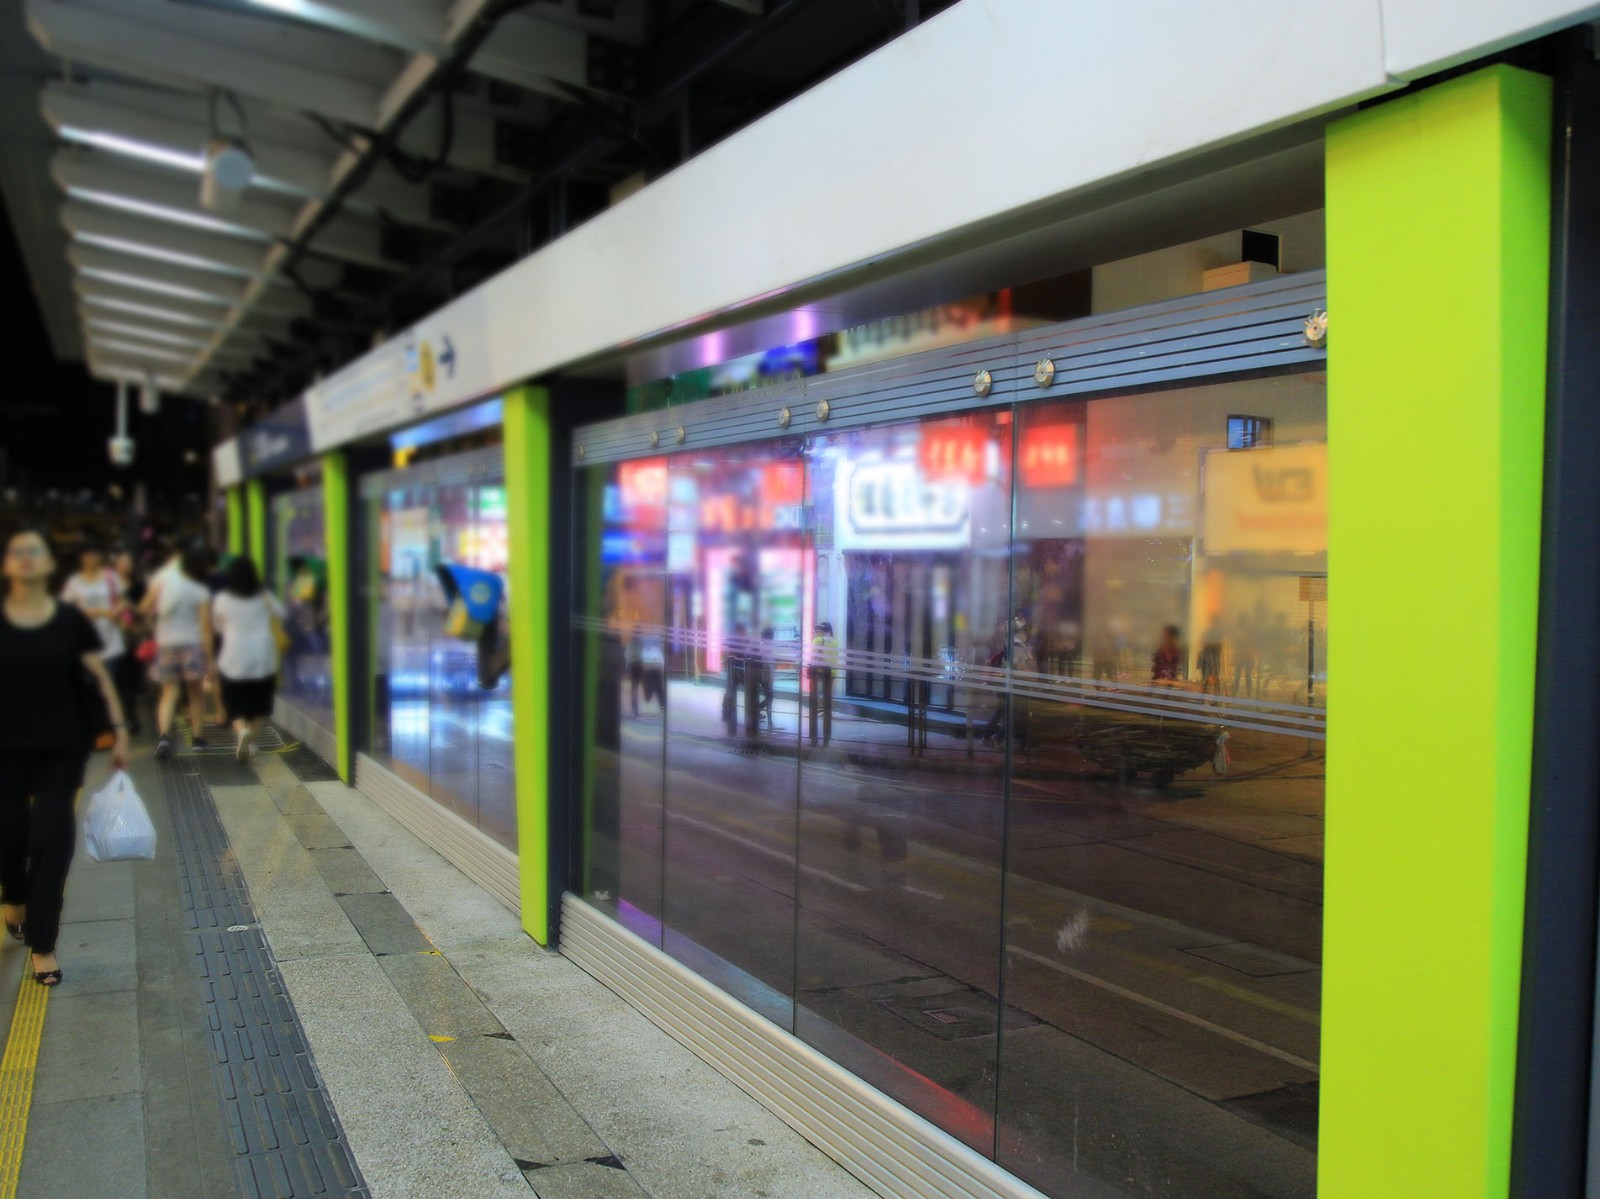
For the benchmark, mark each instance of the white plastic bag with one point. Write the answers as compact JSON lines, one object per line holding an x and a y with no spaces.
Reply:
{"x":117,"y":828}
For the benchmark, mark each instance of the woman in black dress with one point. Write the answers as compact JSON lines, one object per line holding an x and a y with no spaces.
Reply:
{"x":45,"y":738}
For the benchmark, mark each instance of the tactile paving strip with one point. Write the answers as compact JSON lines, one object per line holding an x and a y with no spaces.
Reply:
{"x":286,"y":1138}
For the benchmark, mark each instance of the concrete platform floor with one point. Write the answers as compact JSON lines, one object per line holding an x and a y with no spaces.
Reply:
{"x":460,"y":1058}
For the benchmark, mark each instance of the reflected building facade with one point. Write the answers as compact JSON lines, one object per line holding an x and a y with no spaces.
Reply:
{"x":1054,"y":880}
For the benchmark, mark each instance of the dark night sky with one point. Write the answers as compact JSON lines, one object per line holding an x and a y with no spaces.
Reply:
{"x":55,"y":419}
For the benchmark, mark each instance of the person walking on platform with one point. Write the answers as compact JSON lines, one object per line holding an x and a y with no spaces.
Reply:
{"x":130,"y":678}
{"x":97,"y":592}
{"x":181,"y":605}
{"x":244,"y":614}
{"x":49,"y":653}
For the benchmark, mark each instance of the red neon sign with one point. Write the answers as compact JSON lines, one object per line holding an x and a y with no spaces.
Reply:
{"x":954,"y":451}
{"x":1048,"y":456}
{"x":643,"y":485}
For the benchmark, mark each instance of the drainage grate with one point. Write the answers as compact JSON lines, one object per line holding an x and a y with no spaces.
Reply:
{"x":284,"y":1134}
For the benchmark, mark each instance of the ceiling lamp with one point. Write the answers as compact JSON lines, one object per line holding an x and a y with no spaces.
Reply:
{"x":229,"y":165}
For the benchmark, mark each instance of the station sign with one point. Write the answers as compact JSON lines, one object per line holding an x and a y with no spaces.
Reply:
{"x":279,"y":441}
{"x":438,"y":364}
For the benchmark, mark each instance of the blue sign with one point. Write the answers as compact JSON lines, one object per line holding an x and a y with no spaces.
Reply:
{"x":276,"y":442}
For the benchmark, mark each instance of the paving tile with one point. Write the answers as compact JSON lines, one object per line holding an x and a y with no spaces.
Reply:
{"x":441,"y":1002}
{"x":412,"y":1128}
{"x":295,"y":801}
{"x":529,"y":1115}
{"x":384,"y":925}
{"x":90,"y":1047}
{"x":583,"y":1180}
{"x":98,"y":890}
{"x":316,"y":830}
{"x":99,"y":955}
{"x":87,"y":1147}
{"x":346,"y":871}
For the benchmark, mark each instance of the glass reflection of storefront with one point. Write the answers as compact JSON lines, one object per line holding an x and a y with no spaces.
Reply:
{"x":441,"y":702}
{"x":298,"y":574}
{"x":982,"y":753}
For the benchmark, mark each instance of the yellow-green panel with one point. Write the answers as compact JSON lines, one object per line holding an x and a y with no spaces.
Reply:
{"x":528,"y":499}
{"x":235,"y":496}
{"x":1438,"y":257}
{"x":255,"y":506}
{"x":336,"y":525}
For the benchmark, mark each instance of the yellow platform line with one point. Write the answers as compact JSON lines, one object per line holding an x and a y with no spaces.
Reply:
{"x":17,"y":1069}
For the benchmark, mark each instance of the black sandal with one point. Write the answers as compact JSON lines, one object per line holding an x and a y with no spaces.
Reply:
{"x":47,"y":978}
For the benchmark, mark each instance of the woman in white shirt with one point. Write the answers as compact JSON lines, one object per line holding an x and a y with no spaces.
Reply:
{"x":97,"y":593}
{"x":244,"y":615}
{"x":181,"y":603}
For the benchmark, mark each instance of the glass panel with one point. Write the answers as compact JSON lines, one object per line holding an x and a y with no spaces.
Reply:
{"x":900,"y":824}
{"x":409,"y":604}
{"x":298,"y":575}
{"x":730,"y":642}
{"x":453,"y":663}
{"x":497,"y":781}
{"x":620,"y":531}
{"x":1164,"y":835}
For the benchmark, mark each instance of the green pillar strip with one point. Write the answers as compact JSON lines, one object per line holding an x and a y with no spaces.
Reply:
{"x":336,"y":518}
{"x":1438,"y":255}
{"x":528,"y":505}
{"x":255,"y":507}
{"x":235,"y":520}
{"x":593,"y":494}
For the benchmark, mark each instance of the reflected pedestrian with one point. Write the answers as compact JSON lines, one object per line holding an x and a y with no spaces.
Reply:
{"x":1167,"y":661}
{"x":45,"y":734}
{"x":825,"y":660}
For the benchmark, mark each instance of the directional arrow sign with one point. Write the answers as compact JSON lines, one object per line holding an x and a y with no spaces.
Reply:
{"x":447,"y":356}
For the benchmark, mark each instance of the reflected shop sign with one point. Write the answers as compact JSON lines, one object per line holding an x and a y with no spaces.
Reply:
{"x":1267,"y":501}
{"x":280,"y":440}
{"x":892,"y":503}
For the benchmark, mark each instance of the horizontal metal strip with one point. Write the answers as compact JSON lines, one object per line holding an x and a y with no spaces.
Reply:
{"x":1191,"y":335}
{"x":488,"y":863}
{"x":819,"y":1112}
{"x":300,"y":725}
{"x":475,"y":466}
{"x":1151,"y":698}
{"x":891,"y":1148}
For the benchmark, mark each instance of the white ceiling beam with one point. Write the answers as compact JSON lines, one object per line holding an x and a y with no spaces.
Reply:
{"x":160,"y":241}
{"x":98,"y":36}
{"x":108,"y":302}
{"x":416,"y":26}
{"x":102,"y":179}
{"x":129,"y":303}
{"x":98,"y":264}
{"x":77,"y":115}
{"x":412,"y":77}
{"x":108,"y":185}
{"x":96,"y":325}
{"x":104,"y":118}
{"x":535,"y":54}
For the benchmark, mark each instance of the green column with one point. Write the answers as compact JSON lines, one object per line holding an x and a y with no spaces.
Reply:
{"x":528,"y":504}
{"x":1438,"y":256}
{"x":235,"y":497}
{"x":255,"y":507}
{"x":336,"y":517}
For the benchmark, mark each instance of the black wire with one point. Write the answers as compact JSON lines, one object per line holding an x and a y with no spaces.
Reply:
{"x":345,"y":139}
{"x":415,"y":170}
